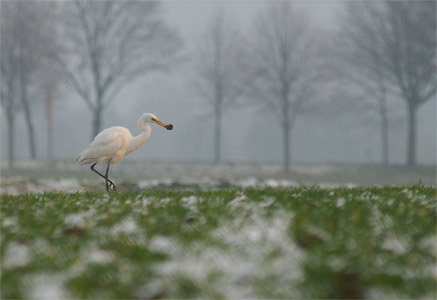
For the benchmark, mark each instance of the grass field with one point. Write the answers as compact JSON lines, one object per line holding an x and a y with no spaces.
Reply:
{"x":42,"y":176}
{"x":306,"y":242}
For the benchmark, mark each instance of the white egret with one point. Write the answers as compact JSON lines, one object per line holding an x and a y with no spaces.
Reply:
{"x":113,"y":144}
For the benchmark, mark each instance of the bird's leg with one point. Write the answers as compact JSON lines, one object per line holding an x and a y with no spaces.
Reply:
{"x":103,"y":176}
{"x":107,"y":179}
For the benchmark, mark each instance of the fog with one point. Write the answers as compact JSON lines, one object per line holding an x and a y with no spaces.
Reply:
{"x":250,"y":133}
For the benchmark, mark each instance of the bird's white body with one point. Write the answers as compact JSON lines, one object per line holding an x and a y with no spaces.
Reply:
{"x":112,"y":145}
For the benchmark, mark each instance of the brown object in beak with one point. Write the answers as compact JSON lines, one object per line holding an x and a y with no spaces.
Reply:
{"x":166,"y":126}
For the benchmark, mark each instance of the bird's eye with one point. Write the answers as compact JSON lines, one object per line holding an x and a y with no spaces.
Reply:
{"x":153,"y":119}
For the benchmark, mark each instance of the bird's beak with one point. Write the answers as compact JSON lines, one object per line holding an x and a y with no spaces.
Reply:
{"x":166,"y":126}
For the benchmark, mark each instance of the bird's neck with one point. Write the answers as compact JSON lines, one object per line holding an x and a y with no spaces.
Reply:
{"x":140,"y":139}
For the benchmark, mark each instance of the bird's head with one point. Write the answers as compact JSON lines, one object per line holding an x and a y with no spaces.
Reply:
{"x":151,"y":118}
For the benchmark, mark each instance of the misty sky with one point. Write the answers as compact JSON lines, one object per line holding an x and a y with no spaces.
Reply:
{"x":249,"y":133}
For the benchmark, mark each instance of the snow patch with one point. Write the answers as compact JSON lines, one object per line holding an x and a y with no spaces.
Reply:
{"x":340,"y":202}
{"x":147,"y":184}
{"x":164,"y":200}
{"x":64,"y":184}
{"x":10,"y":222}
{"x":189,"y":201}
{"x":313,"y":170}
{"x":146,"y":201}
{"x":236,"y":201}
{"x":78,"y":219}
{"x":267,"y":202}
{"x":280,"y":183}
{"x":397,"y":245}
{"x":348,"y":185}
{"x":47,"y":286}
{"x":248,"y":182}
{"x":17,"y":255}
{"x":160,"y":244}
{"x":151,"y":290}
{"x":128,"y":225}
{"x":99,"y":256}
{"x":271,"y":255}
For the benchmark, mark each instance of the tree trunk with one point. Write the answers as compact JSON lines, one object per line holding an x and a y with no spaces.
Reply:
{"x":10,"y":121}
{"x":286,"y":145}
{"x":384,"y":132}
{"x":98,"y":110}
{"x":49,"y":117}
{"x":28,"y":119}
{"x":382,"y":110}
{"x":411,"y":155}
{"x":97,"y":122}
{"x":217,"y":136}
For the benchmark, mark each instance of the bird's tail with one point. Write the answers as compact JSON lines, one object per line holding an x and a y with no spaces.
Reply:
{"x":80,"y":158}
{"x":84,"y":158}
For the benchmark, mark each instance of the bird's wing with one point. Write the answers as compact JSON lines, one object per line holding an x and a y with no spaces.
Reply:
{"x":107,"y":136}
{"x":105,"y":144}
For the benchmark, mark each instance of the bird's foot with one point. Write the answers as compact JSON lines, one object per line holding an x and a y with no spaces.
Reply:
{"x":111,"y":185}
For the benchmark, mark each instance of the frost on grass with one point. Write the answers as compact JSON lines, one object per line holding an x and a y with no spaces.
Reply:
{"x":151,"y":290}
{"x":147,"y":184}
{"x":325,"y":185}
{"x":63,"y":184}
{"x":47,"y":286}
{"x":18,"y":185}
{"x":10,"y":223}
{"x":128,"y":225}
{"x":17,"y":255}
{"x":98,"y":256}
{"x":236,"y":201}
{"x":248,"y":182}
{"x":340,"y":202}
{"x":189,"y":201}
{"x":38,"y":176}
{"x":238,"y":247}
{"x":161,"y":244}
{"x":78,"y":219}
{"x":280,"y":183}
{"x":315,"y":170}
{"x":258,"y":252}
{"x":268,"y":201}
{"x":396,"y":244}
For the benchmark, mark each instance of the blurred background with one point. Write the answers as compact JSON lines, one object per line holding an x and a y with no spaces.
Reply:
{"x":276,"y":93}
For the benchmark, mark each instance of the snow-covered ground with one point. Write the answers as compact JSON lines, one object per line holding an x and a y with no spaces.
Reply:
{"x":41,"y":176}
{"x":248,"y":251}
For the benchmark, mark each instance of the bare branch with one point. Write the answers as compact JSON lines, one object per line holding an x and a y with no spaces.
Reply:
{"x":111,"y":43}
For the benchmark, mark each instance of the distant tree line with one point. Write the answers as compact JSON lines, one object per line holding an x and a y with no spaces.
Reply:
{"x":95,"y":47}
{"x":383,"y":53}
{"x":384,"y":50}
{"x":25,"y":73}
{"x":389,"y":50}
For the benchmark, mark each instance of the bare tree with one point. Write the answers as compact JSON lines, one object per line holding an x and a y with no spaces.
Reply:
{"x":51,"y":89}
{"x":284,"y":66}
{"x":409,"y":53}
{"x":48,"y":80}
{"x":362,"y":70}
{"x":109,"y":44}
{"x":9,"y":76}
{"x":23,"y":23}
{"x":26,"y":22}
{"x":218,"y":70}
{"x":403,"y":39}
{"x":47,"y":91}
